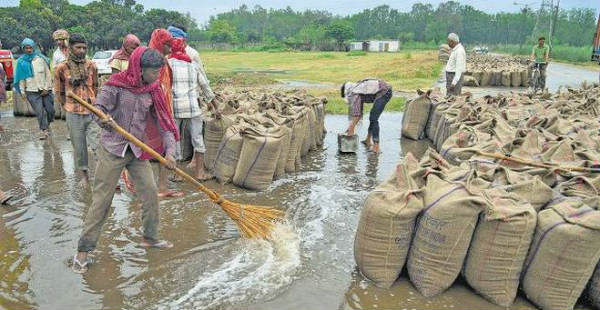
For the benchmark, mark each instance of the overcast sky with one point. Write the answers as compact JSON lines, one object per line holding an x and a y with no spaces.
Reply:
{"x":201,"y":10}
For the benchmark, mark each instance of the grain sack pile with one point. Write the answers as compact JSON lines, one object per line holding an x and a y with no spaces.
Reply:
{"x":261,"y":135}
{"x":444,"y":53}
{"x":495,"y":70}
{"x":510,"y":202}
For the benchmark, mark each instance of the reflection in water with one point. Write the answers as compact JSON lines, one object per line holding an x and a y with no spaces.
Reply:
{"x":14,"y":270}
{"x":310,"y":266}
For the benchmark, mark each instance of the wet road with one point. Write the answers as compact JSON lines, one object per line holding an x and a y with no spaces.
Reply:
{"x":309,"y":265}
{"x":558,"y":74}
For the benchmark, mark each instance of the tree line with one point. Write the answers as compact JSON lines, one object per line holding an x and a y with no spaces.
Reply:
{"x":105,"y":22}
{"x":423,"y":23}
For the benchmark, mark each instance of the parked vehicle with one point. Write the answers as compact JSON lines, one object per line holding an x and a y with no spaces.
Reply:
{"x":101,"y":59}
{"x":480,"y":50}
{"x":596,"y":51}
{"x":6,"y":61}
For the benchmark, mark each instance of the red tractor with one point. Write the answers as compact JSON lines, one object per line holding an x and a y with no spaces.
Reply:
{"x":6,"y":60}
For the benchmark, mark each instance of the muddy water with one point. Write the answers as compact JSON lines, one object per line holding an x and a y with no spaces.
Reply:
{"x":310,"y":264}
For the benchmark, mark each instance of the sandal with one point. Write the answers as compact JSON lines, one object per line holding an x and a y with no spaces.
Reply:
{"x":79,"y":267}
{"x":156,"y":244}
{"x":171,"y":194}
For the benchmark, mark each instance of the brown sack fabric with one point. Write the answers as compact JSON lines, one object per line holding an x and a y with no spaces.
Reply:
{"x":386,"y":225}
{"x":564,"y":253}
{"x":415,"y":116}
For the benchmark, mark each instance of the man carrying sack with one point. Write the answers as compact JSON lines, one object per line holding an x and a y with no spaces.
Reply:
{"x":456,"y":66}
{"x":137,"y":103}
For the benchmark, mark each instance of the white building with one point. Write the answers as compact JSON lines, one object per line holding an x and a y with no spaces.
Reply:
{"x":375,"y":45}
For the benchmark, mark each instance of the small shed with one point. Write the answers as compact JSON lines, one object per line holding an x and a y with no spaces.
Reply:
{"x":375,"y":46}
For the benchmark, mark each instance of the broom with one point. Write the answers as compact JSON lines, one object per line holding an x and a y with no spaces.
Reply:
{"x":252,"y":221}
{"x":536,"y":164}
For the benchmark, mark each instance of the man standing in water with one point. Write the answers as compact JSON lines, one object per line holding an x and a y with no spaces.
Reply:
{"x":356,"y":94}
{"x":456,"y":66}
{"x":80,"y":76}
{"x":135,"y":101}
{"x":33,"y":81}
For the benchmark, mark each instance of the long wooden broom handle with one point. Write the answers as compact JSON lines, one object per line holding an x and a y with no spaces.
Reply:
{"x":534,"y":164}
{"x":211,"y":194}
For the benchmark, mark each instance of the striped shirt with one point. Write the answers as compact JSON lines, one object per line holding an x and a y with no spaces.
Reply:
{"x":86,"y":91}
{"x":188,"y":85}
{"x":130,"y":111}
{"x":357,"y":98}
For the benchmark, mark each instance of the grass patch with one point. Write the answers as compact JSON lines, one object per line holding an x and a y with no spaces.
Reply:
{"x":420,"y":70}
{"x":356,"y":53}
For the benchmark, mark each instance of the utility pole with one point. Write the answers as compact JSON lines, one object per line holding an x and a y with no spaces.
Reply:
{"x":553,"y":23}
{"x":537,"y":20}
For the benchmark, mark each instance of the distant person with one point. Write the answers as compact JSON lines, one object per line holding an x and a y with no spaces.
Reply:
{"x":33,"y":81}
{"x":456,"y":66}
{"x":61,"y":37}
{"x":80,"y":76}
{"x":136,"y":103}
{"x":178,"y":31}
{"x":540,"y":55}
{"x":119,"y":61}
{"x":160,"y":40}
{"x":190,"y":88}
{"x":357,"y":94}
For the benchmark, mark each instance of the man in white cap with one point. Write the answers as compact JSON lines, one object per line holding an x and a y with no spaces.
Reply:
{"x":456,"y":66}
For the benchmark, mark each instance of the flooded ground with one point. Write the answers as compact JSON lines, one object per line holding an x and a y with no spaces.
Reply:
{"x":309,"y":265}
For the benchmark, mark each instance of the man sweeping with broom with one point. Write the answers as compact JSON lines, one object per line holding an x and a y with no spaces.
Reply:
{"x":136,"y":102}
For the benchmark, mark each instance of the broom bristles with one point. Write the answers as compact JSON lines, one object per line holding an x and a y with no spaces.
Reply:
{"x":253,"y":221}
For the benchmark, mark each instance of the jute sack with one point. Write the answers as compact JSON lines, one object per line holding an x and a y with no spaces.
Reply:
{"x":478,"y":75}
{"x":515,"y":78}
{"x":386,"y":225}
{"x":434,"y":117}
{"x":499,"y":247}
{"x":524,"y":78}
{"x":416,"y":115}
{"x":564,"y":253}
{"x":214,"y":130}
{"x":533,"y":191}
{"x":443,"y":233}
{"x":258,"y":158}
{"x":496,"y":78}
{"x":471,"y":81}
{"x":505,"y":79}
{"x":313,"y":128}
{"x":320,"y":113}
{"x":486,"y":76}
{"x":228,"y":154}
{"x":296,"y":139}
{"x":285,"y":150}
{"x":307,"y":142}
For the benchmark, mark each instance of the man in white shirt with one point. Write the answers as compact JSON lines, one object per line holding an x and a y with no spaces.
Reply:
{"x":190,"y":89}
{"x":456,"y":66}
{"x":61,"y":37}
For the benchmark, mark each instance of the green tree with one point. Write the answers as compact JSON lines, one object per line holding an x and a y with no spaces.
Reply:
{"x":221,"y":31}
{"x":340,"y":31}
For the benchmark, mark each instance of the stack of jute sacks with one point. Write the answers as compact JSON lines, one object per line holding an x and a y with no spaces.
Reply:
{"x":503,"y":225}
{"x":444,"y":53}
{"x":261,"y":135}
{"x":495,"y":70}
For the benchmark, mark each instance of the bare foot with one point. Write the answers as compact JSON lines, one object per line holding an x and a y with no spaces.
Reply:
{"x":367,"y":142}
{"x":170,"y":194}
{"x":191,"y":165}
{"x":375,"y":148}
{"x":80,"y":262}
